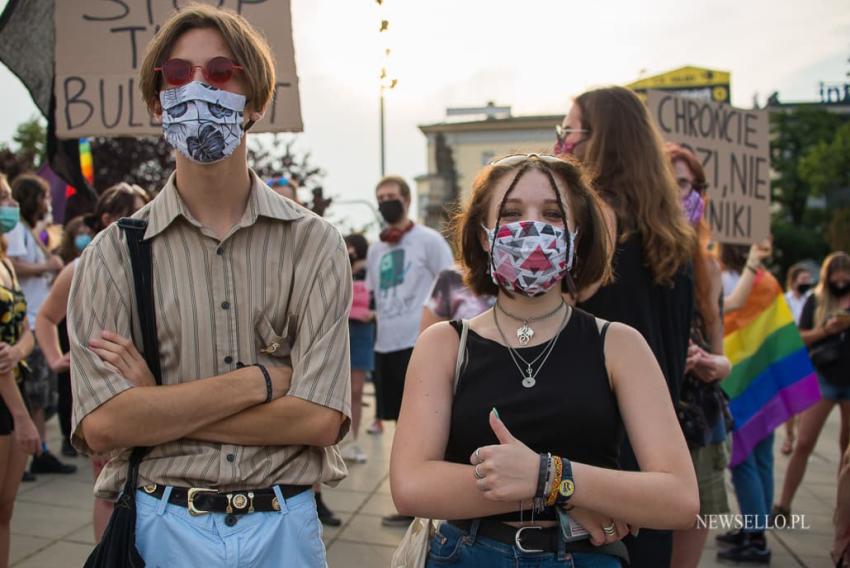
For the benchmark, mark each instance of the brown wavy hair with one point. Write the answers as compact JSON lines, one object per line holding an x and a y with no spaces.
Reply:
{"x":625,"y":157}
{"x":592,"y":261}
{"x":706,"y":305}
{"x":827,"y":304}
{"x":248,"y":46}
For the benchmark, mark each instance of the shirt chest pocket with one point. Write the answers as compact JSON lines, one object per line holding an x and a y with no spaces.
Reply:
{"x":274,"y":345}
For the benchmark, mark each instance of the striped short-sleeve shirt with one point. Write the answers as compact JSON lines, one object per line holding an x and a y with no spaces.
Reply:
{"x":280,"y":277}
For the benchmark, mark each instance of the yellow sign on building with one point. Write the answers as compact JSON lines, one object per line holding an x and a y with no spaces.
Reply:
{"x":696,"y":82}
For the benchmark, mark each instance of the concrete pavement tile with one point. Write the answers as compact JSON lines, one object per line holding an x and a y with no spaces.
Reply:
{"x":817,"y":562}
{"x":368,"y":529}
{"x":805,"y":543}
{"x":61,"y":493}
{"x":83,"y":536}
{"x":379,"y":504}
{"x":58,"y":554}
{"x":384,"y":487}
{"x":23,"y":546}
{"x":35,"y":519}
{"x":330,"y":533}
{"x":365,"y":478}
{"x":340,"y":501}
{"x":353,"y":555}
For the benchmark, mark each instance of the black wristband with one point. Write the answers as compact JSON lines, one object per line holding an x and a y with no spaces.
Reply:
{"x":541,"y":476}
{"x":567,"y":488}
{"x":268,"y":379}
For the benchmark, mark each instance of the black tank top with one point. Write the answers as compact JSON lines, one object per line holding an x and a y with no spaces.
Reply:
{"x":570,"y":412}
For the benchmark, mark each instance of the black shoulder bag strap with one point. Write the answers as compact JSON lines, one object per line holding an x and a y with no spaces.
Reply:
{"x":141,"y":262}
{"x":117,"y":548}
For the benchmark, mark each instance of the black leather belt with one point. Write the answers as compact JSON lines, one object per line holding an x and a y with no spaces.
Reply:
{"x":201,"y":501}
{"x":538,"y":539}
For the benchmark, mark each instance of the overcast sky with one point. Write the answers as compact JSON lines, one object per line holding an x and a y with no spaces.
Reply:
{"x":533,"y":55}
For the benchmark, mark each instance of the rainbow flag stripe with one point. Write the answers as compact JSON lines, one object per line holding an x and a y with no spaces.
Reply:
{"x":772,"y":378}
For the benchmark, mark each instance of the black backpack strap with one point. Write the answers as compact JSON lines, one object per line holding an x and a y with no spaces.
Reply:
{"x":141,"y":261}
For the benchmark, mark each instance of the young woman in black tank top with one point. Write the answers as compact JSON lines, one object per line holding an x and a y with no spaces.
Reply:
{"x":538,"y":377}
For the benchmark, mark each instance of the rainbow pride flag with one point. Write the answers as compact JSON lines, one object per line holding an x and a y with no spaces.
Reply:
{"x":772,"y":378}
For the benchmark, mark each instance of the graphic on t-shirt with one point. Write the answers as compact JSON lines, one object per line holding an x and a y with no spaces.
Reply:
{"x":392,"y":270}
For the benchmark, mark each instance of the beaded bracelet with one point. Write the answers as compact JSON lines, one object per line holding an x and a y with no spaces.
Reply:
{"x":266,"y":376}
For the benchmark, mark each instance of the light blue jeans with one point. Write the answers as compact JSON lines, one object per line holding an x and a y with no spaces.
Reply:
{"x":453,"y":547}
{"x":167,"y":536}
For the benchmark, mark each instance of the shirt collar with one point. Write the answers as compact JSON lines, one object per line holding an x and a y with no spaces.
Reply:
{"x":262,"y":202}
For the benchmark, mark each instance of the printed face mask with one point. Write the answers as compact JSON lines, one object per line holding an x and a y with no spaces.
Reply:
{"x":202,"y":122}
{"x":9,"y":217}
{"x":693,"y":204}
{"x":529,"y":257}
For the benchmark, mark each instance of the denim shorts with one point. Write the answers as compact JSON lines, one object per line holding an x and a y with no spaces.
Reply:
{"x":168,"y":536}
{"x":453,"y":547}
{"x":830,"y":391}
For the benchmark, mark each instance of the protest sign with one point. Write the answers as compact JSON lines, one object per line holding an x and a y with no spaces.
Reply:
{"x":733,"y":147}
{"x":99,"y":49}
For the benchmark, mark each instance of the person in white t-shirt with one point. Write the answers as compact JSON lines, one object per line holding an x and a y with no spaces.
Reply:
{"x":36,"y":268}
{"x":401,"y":269}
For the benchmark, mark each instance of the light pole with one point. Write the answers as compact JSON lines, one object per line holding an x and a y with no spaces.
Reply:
{"x":386,"y":83}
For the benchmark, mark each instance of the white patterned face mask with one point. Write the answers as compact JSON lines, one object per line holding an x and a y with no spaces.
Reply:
{"x":202,"y":122}
{"x":530,"y":257}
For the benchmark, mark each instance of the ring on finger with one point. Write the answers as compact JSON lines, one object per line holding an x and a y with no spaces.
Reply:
{"x":477,"y":474}
{"x":610,"y":530}
{"x":478,"y":455}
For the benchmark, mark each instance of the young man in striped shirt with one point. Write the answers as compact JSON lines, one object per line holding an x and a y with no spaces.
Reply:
{"x":241,"y":275}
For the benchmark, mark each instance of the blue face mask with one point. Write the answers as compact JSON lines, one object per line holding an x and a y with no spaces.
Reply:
{"x":9,"y":218}
{"x":82,"y":241}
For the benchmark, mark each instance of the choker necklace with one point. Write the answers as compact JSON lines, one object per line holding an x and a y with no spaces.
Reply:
{"x":524,"y":333}
{"x":529,"y":375}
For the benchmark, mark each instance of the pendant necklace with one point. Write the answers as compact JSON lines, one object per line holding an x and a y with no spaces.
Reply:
{"x":529,"y":375}
{"x":525,"y":333}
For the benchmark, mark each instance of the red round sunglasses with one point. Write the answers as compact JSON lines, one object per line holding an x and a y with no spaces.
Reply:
{"x":217,"y":71}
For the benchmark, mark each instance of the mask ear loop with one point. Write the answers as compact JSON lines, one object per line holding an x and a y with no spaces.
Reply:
{"x":519,"y":174}
{"x":571,"y":286}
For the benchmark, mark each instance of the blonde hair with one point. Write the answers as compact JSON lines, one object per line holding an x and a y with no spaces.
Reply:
{"x":827,"y":304}
{"x":247,"y":45}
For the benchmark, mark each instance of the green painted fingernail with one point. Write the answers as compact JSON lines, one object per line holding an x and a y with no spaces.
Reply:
{"x":496,"y":412}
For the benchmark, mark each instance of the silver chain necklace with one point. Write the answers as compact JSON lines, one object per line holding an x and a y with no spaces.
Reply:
{"x":524,"y":333}
{"x":529,"y":375}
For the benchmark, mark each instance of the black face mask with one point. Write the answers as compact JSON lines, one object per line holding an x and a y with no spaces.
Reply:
{"x":839,"y":291}
{"x":392,"y":211}
{"x":803,"y":288}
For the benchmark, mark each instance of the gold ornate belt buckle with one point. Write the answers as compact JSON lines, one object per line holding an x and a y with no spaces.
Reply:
{"x":518,"y":539}
{"x":193,"y":492}
{"x":240,"y":501}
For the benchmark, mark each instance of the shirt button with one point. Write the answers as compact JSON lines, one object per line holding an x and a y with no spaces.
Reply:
{"x":225,"y":305}
{"x":219,"y":251}
{"x":231,"y":458}
{"x":230,"y":520}
{"x":228,"y":359}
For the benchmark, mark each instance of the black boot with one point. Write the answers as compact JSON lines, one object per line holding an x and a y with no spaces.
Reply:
{"x":754,"y":550}
{"x":326,"y":515}
{"x":735,"y":538}
{"x":46,"y":462}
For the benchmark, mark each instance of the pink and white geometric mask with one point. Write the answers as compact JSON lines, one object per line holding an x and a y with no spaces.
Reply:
{"x":529,"y":257}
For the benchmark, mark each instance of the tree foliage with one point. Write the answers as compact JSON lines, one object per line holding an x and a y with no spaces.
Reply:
{"x":144,"y":161}
{"x":28,"y":152}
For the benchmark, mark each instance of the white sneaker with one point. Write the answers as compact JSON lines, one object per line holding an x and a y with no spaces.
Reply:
{"x":354,"y":453}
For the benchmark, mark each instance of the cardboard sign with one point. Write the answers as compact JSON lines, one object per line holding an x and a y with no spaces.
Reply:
{"x":733,"y":147}
{"x":99,"y":48}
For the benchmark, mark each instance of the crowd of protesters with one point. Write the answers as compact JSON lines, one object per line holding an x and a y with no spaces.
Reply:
{"x":554,"y":366}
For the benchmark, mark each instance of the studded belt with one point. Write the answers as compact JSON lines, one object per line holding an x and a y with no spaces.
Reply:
{"x":201,"y":501}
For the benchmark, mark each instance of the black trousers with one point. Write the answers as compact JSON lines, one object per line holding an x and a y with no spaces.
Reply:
{"x":66,"y":399}
{"x":390,"y":370}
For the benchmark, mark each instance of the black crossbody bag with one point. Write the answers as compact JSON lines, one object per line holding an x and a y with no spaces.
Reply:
{"x":117,"y":548}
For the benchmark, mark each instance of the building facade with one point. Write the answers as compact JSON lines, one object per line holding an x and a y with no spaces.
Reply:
{"x":457,"y":150}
